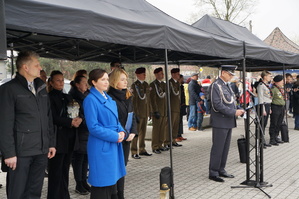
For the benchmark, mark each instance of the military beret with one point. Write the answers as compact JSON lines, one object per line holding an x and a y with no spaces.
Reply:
{"x":140,"y":70}
{"x":157,"y":70}
{"x":175,"y":70}
{"x":278,"y":78}
{"x":229,"y":68}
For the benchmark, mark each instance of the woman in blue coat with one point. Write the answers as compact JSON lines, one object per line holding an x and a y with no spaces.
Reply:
{"x":104,"y":148}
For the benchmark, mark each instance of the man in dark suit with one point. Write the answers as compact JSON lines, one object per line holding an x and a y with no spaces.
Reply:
{"x":223,"y":119}
{"x":27,"y":137}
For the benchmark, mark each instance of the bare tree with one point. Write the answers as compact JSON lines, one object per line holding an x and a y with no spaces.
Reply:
{"x":236,"y":11}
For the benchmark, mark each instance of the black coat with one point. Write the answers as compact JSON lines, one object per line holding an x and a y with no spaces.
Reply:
{"x":194,"y":89}
{"x":26,"y":126}
{"x":65,"y":134}
{"x":82,"y":129}
{"x":296,"y":100}
{"x":124,"y":106}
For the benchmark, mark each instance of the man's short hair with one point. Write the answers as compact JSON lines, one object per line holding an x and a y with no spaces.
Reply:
{"x":112,"y":64}
{"x":24,"y":57}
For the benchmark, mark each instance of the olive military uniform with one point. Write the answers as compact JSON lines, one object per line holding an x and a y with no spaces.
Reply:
{"x":158,"y":109}
{"x":141,"y":106}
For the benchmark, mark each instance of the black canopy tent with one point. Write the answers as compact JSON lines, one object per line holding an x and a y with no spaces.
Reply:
{"x":133,"y":31}
{"x":258,"y":54}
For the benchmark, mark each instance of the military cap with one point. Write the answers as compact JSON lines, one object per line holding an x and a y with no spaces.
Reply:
{"x":157,"y":70}
{"x":278,"y":78}
{"x":175,"y":70}
{"x":229,"y":68}
{"x":194,"y":74}
{"x":140,"y":70}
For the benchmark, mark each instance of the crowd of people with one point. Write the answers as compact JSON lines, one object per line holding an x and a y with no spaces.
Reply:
{"x":102,"y":120}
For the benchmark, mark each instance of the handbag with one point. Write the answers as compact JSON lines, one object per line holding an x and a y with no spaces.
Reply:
{"x":284,"y":132}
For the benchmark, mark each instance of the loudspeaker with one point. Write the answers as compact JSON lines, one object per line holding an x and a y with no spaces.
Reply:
{"x":3,"y":54}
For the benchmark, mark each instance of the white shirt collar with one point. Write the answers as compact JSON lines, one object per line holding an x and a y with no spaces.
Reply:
{"x":140,"y":81}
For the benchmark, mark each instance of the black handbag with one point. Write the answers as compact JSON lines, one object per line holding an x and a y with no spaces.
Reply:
{"x":284,"y":132}
{"x":165,"y":178}
{"x":242,"y":149}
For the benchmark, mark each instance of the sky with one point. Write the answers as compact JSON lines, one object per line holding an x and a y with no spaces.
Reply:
{"x":268,"y":15}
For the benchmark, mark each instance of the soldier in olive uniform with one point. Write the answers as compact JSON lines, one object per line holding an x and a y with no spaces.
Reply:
{"x":159,"y":113}
{"x":223,"y":119}
{"x":175,"y":104}
{"x":278,"y":109}
{"x":140,"y":90}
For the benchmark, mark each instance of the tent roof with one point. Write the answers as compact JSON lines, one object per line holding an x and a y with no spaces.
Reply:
{"x":103,"y":30}
{"x":255,"y":48}
{"x":278,"y":40}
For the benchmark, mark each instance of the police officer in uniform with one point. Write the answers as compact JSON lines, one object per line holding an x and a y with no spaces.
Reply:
{"x":222,"y":120}
{"x":175,"y":101}
{"x":140,"y":90}
{"x":159,"y":113}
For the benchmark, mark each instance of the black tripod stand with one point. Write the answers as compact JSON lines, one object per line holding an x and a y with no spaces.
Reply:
{"x":254,"y":163}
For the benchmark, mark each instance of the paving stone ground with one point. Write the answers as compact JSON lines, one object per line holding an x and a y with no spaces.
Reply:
{"x":190,"y":166}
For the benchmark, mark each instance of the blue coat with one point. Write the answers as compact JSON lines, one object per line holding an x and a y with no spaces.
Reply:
{"x":105,"y":155}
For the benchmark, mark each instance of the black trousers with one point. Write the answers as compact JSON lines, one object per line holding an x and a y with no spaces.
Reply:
{"x":80,"y":166}
{"x":181,"y":130}
{"x":221,"y":141}
{"x":26,"y":181}
{"x":58,"y":178}
{"x":276,"y":119}
{"x":102,"y":192}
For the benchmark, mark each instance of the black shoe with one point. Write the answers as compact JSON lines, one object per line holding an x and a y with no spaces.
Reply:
{"x":216,"y":178}
{"x":164,"y":149}
{"x":145,"y":154}
{"x":80,"y":189}
{"x":156,"y":151}
{"x":226,"y":175}
{"x":273,"y":143}
{"x":176,"y":144}
{"x":136,"y":156}
{"x":86,"y":186}
{"x":267,"y":145}
{"x":167,"y":147}
{"x":296,"y":128}
{"x":279,"y":141}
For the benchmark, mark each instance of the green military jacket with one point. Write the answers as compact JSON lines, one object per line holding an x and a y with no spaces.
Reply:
{"x":175,"y":95}
{"x":278,"y":98}
{"x":141,"y":98}
{"x":158,"y":97}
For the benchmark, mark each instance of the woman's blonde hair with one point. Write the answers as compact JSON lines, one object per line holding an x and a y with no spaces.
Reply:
{"x":114,"y":79}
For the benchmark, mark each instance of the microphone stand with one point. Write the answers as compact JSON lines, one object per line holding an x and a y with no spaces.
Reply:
{"x":258,"y":161}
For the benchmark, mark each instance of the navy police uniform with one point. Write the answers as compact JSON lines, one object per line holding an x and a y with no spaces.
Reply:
{"x":223,"y":119}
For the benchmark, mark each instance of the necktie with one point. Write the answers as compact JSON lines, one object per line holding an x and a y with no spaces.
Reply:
{"x":31,"y":88}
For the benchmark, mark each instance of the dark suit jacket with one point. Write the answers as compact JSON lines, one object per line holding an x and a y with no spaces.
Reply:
{"x":222,"y":112}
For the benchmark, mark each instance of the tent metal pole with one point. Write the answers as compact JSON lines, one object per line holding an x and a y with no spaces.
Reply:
{"x":12,"y":61}
{"x":169,"y":124}
{"x":285,"y":91}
